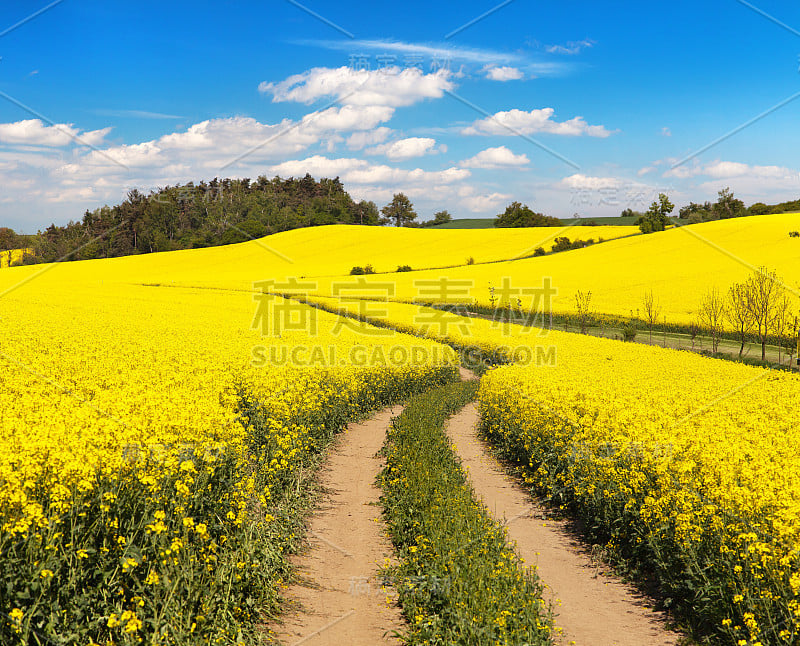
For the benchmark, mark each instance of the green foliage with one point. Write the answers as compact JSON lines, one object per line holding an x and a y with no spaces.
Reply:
{"x":222,"y":211}
{"x":657,"y":216}
{"x":564,"y":244}
{"x":360,"y":271}
{"x":629,"y":331}
{"x":402,"y":268}
{"x":539,"y":251}
{"x":448,"y":546}
{"x":561,"y":244}
{"x":400,"y":211}
{"x":519,"y":215}
{"x":794,"y":234}
{"x":440,"y":217}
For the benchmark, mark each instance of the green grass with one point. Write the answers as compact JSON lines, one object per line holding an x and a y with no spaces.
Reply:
{"x":467,"y":223}
{"x":459,"y":580}
{"x":488,"y":223}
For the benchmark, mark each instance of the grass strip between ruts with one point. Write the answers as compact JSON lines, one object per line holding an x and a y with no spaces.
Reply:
{"x":459,"y":580}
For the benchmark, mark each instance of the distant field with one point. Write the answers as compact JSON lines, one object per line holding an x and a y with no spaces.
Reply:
{"x":312,"y":252}
{"x":467,"y":223}
{"x":488,"y":223}
{"x":679,"y":265}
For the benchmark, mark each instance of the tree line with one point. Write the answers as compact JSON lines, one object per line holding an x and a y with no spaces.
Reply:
{"x":222,"y":211}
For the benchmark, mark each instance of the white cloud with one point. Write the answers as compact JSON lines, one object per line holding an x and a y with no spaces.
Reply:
{"x":210,"y":147}
{"x":729,"y":170}
{"x":535,"y":121}
{"x":645,"y":170}
{"x":755,"y":182}
{"x":33,"y":132}
{"x":360,"y":171}
{"x":476,"y":202}
{"x":500,"y":157}
{"x":439,"y":53}
{"x":384,"y":87}
{"x":404,"y":148}
{"x":571,"y":48}
{"x":359,"y":140}
{"x":580,"y":181}
{"x":504,"y":73}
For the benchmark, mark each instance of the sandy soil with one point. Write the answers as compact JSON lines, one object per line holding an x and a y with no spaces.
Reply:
{"x":591,"y":609}
{"x":340,"y":600}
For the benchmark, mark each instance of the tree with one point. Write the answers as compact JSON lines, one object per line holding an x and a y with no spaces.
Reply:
{"x":712,"y":314}
{"x":657,"y":216}
{"x":520,"y":215}
{"x":738,"y":314}
{"x":8,"y":239}
{"x":783,"y":322}
{"x":652,"y":309}
{"x":399,"y":210}
{"x":582,"y":304}
{"x":440,"y":217}
{"x":727,"y":206}
{"x":765,"y":293}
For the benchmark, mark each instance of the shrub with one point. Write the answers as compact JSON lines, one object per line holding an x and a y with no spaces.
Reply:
{"x":539,"y":251}
{"x":357,"y":271}
{"x":629,"y":331}
{"x":404,"y":268}
{"x":562,"y":244}
{"x":368,"y":269}
{"x":794,"y":234}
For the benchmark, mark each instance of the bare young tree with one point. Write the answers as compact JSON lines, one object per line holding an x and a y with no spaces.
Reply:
{"x":712,"y":315}
{"x":652,"y":309}
{"x":783,"y":322}
{"x":582,"y":304}
{"x":765,"y":292}
{"x":738,"y":314}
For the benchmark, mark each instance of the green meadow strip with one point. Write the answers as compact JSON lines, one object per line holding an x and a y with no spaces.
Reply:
{"x":459,"y":580}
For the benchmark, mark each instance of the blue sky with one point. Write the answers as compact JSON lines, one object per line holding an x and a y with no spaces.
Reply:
{"x":571,"y":107}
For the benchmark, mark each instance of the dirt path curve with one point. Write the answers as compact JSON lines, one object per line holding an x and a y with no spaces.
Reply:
{"x":341,"y":600}
{"x":592,"y":610}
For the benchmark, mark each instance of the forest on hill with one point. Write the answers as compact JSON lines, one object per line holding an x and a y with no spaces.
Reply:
{"x":222,"y":211}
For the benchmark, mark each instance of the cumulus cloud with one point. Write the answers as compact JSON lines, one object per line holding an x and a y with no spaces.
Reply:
{"x":391,"y":86}
{"x":536,"y":121}
{"x":33,"y":132}
{"x":504,"y":73}
{"x":500,"y":157}
{"x":212,"y":145}
{"x":359,"y":140}
{"x":580,"y":181}
{"x":762,"y":183}
{"x":360,"y":171}
{"x":728,"y":170}
{"x":476,"y":202}
{"x":404,"y":148}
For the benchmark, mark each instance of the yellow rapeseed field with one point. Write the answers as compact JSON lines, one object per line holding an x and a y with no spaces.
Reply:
{"x":680,"y":265}
{"x":322,"y":251}
{"x":156,"y":411}
{"x":10,"y":256}
{"x":686,"y":464}
{"x":148,"y":448}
